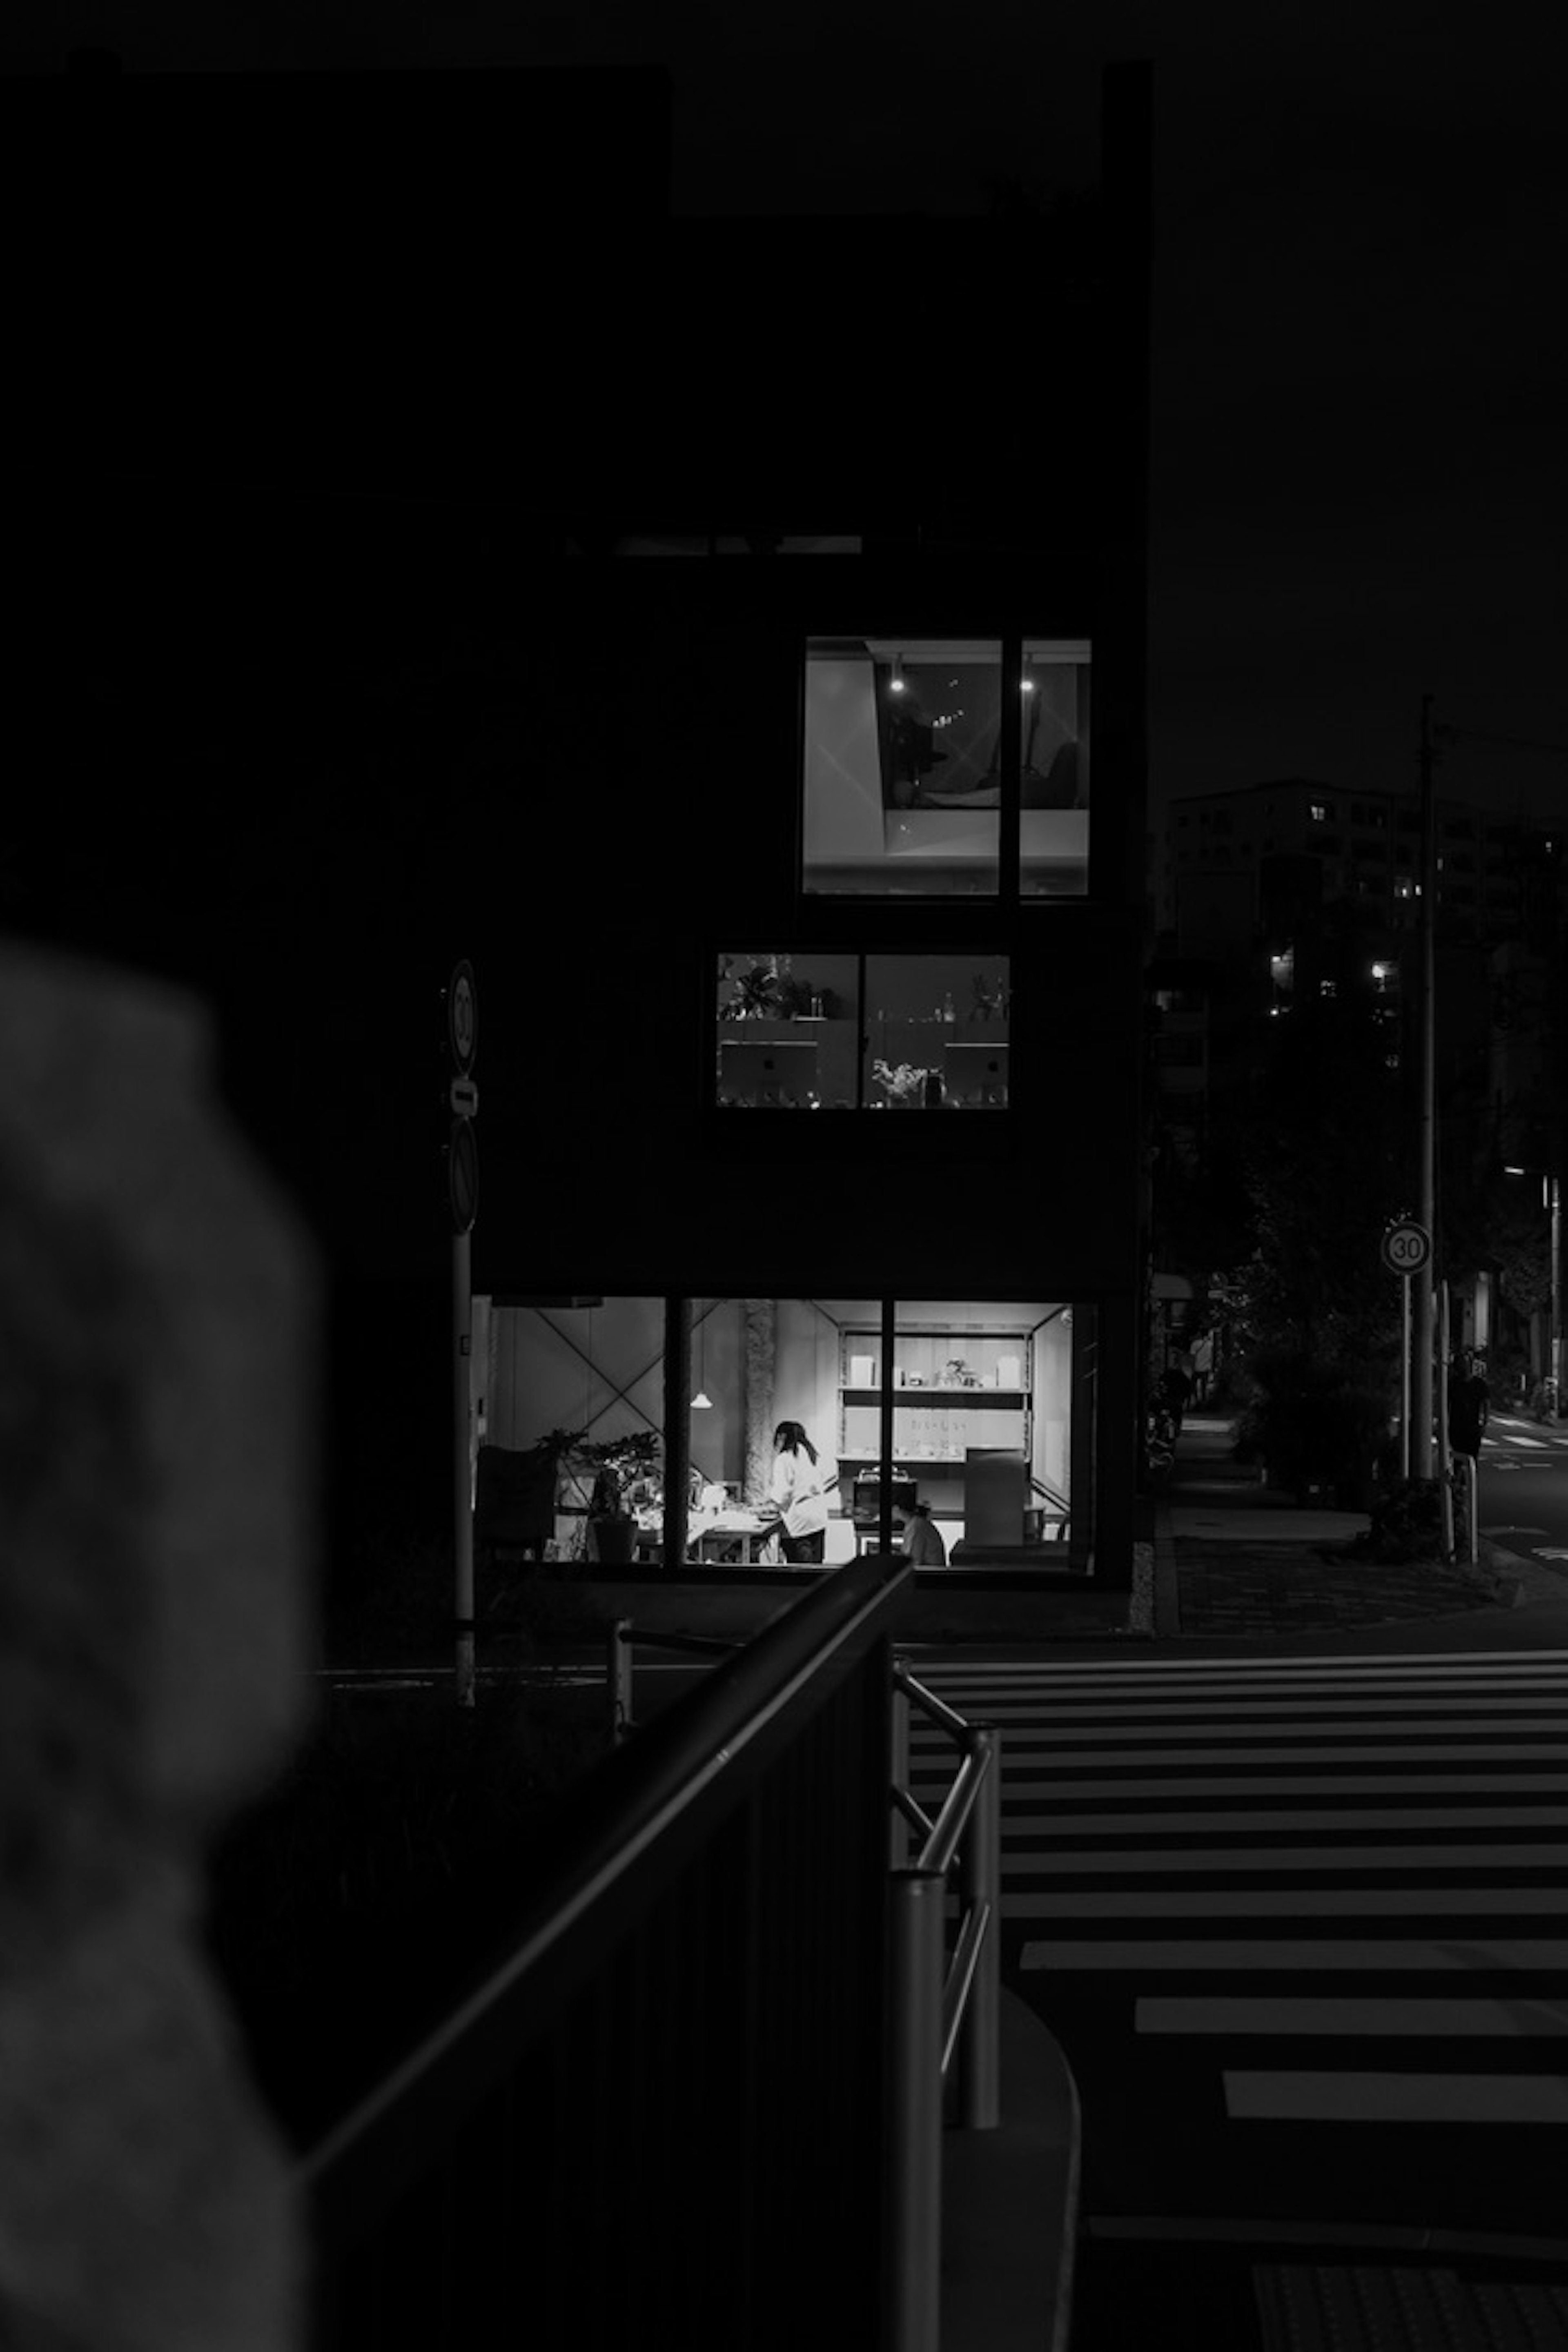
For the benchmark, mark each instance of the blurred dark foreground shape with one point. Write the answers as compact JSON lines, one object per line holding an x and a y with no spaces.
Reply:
{"x":157,"y":1330}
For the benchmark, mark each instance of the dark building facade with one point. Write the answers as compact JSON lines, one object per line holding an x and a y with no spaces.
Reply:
{"x":455,"y":661}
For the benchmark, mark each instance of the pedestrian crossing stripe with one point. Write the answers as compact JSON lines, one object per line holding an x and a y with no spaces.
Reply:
{"x":1051,"y":1737}
{"x":1255,"y":1819}
{"x":1245,"y":1955}
{"x":1170,"y":1862}
{"x":1239,"y":1756}
{"x":1165,"y":1711}
{"x":1094,"y":1669}
{"x":1323,"y":1902}
{"x":1322,"y":2014}
{"x":1317,"y":2097}
{"x":1352,"y":1788}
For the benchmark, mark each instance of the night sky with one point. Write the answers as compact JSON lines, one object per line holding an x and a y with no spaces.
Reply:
{"x":1360,"y":484}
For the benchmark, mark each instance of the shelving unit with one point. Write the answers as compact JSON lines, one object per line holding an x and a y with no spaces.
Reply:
{"x":937,"y":1415}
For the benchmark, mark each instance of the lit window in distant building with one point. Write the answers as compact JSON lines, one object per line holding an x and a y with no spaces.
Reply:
{"x":1384,"y":978}
{"x":1327,"y":988}
{"x":1318,"y":812}
{"x":1404,"y":887}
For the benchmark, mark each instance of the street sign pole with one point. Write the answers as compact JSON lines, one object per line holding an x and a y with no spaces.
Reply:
{"x":1404,"y":1382}
{"x":1405,"y":1249}
{"x":1426,"y":998}
{"x":463,"y":1485}
{"x":462,"y":1184}
{"x":1445,"y":1459}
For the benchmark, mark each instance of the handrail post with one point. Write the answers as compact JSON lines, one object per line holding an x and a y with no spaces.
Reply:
{"x":899,"y":1778}
{"x":618,"y":1678}
{"x":980,"y":1883}
{"x":916,"y":1924}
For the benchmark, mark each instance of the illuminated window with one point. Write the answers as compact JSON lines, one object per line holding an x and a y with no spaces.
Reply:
{"x":902,"y":767}
{"x":1053,"y":842}
{"x":902,"y":775}
{"x":816,"y":1031}
{"x":1318,"y":812}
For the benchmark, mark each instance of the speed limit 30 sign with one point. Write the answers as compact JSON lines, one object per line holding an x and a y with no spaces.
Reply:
{"x":1406,"y":1247}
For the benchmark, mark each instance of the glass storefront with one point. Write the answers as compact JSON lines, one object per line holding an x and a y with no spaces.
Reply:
{"x":985,"y":1396}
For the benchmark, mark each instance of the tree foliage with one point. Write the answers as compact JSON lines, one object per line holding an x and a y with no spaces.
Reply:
{"x":1325,"y":1171}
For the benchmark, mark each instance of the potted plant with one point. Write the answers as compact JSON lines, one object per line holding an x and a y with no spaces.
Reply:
{"x":756,"y":992}
{"x":617,"y":1464}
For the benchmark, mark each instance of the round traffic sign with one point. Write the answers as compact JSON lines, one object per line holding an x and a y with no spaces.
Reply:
{"x":1405,"y":1247}
{"x":463,"y":1174}
{"x":462,"y":1016}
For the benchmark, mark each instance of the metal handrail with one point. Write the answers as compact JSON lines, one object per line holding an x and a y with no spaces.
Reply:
{"x":939,"y":2010}
{"x":607,"y":1826}
{"x":621,"y":1636}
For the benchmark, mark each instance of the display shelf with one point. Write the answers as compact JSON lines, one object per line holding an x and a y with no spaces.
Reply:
{"x":909,"y":1461}
{"x":1013,"y":1400}
{"x":940,"y":1421}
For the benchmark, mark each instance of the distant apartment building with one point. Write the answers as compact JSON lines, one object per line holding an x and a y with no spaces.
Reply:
{"x":1235,"y":871}
{"x":1268,"y":892}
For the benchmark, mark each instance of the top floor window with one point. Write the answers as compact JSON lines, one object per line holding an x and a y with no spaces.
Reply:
{"x":1320,"y":812}
{"x":902,"y":782}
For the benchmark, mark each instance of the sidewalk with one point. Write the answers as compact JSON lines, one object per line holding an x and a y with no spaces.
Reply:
{"x":1232,"y":1556}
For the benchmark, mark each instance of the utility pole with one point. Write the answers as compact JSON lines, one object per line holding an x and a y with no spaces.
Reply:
{"x":1444,"y":731}
{"x":1421,"y":1367}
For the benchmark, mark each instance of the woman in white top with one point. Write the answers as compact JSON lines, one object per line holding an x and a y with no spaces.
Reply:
{"x":799,"y":1494}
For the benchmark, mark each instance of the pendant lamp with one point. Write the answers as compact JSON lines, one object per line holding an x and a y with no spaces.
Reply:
{"x":702,"y":1402}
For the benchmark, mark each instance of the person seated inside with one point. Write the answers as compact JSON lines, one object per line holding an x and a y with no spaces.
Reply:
{"x":922,"y":1546}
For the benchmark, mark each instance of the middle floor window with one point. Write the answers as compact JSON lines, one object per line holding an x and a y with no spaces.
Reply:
{"x":810,"y":1030}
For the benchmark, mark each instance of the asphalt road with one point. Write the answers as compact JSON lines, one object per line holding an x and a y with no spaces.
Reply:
{"x":1524,"y":1485}
{"x":1301,"y":1925}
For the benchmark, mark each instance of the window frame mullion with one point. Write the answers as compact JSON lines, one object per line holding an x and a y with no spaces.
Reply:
{"x":1009,"y":814}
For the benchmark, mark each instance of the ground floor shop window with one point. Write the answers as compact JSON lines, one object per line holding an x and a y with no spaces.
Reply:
{"x":990,"y":1404}
{"x":982,"y":1407}
{"x":571,"y":1391}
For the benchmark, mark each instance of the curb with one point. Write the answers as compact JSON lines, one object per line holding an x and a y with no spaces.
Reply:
{"x":1010,"y":2200}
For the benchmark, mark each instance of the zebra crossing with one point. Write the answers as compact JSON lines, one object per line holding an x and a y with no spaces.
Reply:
{"x":1514,"y":1433}
{"x":1321,"y":1893}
